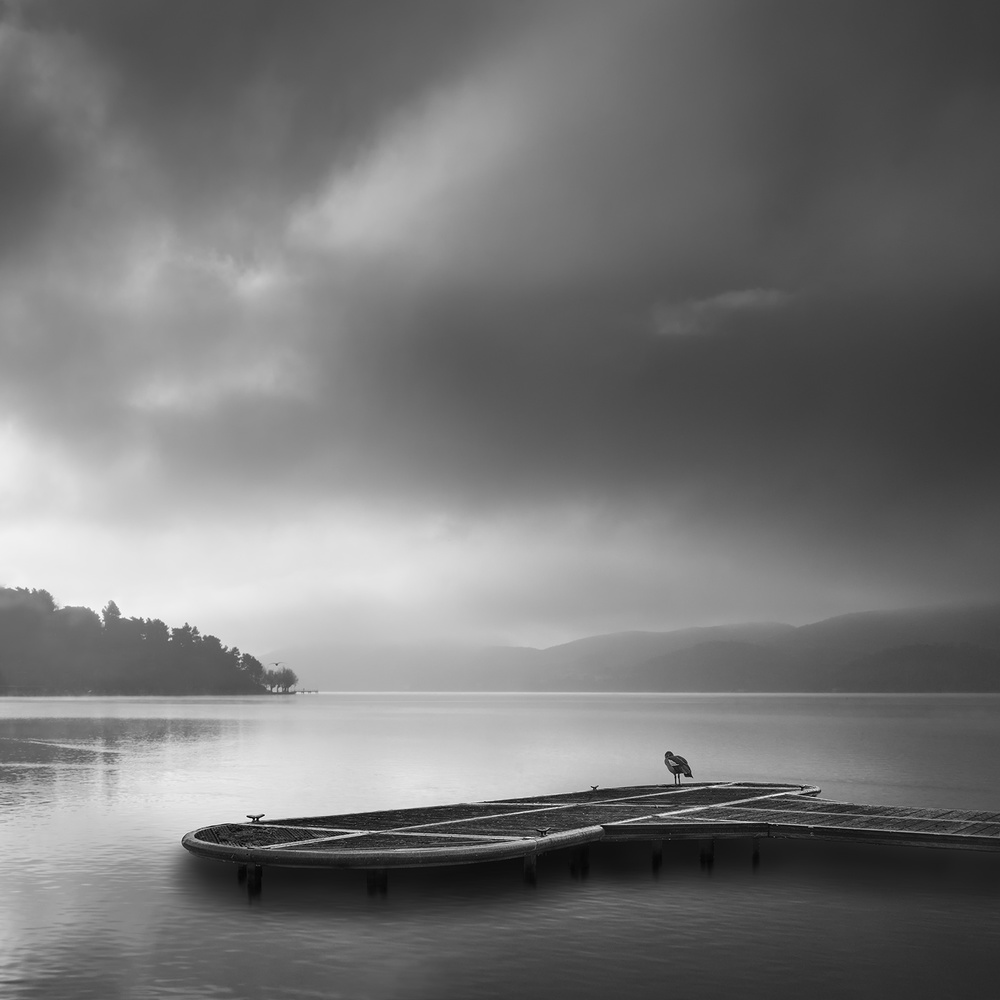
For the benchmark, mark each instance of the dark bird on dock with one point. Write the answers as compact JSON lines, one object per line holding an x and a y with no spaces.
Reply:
{"x":677,"y":766}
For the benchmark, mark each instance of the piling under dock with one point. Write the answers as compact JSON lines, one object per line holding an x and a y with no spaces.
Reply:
{"x":473,"y":832}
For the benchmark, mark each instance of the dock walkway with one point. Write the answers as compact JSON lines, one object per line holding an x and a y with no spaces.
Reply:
{"x":467,"y":833}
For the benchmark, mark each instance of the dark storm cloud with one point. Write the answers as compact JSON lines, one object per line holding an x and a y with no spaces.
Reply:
{"x":36,"y":155}
{"x":825,"y":406}
{"x":125,"y":126}
{"x":726,"y":264}
{"x":31,"y":166}
{"x":240,"y":106}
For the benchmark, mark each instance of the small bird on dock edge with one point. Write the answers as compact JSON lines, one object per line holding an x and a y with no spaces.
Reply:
{"x":677,"y":766}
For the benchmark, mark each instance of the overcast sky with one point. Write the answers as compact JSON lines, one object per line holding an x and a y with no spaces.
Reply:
{"x":511,"y":321}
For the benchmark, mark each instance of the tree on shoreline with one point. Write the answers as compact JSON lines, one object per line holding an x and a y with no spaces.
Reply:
{"x":47,"y":649}
{"x":280,"y":680}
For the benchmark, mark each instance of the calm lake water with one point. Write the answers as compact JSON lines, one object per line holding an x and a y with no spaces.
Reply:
{"x":100,"y":900}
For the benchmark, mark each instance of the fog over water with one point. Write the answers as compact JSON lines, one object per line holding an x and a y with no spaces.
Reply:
{"x":101,"y":901}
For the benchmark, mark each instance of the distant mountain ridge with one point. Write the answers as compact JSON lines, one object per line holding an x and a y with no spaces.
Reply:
{"x":921,"y":649}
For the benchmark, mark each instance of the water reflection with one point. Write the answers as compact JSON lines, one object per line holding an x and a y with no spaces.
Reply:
{"x":856,"y":919}
{"x":55,"y":760}
{"x":107,"y":735}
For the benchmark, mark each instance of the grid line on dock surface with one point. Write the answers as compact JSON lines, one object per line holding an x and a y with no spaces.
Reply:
{"x":397,"y":840}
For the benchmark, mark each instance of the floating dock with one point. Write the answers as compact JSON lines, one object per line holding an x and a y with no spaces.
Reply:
{"x":473,"y":832}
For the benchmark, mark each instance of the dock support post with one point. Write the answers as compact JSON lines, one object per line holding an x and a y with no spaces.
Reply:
{"x":707,"y":857}
{"x":241,"y":874}
{"x":530,"y":869}
{"x":756,"y":853}
{"x":256,"y":877}
{"x":579,"y":863}
{"x":378,"y":881}
{"x":657,"y":856}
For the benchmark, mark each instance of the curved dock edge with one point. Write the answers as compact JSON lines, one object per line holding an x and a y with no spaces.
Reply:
{"x":416,"y":857}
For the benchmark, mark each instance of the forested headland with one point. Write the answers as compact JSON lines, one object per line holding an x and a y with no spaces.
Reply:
{"x":50,"y":650}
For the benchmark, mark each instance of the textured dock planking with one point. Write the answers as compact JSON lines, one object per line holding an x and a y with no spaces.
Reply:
{"x":467,"y":833}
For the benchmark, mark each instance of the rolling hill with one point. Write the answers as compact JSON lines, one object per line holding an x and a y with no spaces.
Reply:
{"x":935,"y":649}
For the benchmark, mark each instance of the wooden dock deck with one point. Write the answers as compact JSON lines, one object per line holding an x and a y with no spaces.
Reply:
{"x":468,"y":833}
